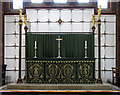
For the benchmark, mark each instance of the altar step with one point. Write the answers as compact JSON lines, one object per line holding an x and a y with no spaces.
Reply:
{"x":25,"y":86}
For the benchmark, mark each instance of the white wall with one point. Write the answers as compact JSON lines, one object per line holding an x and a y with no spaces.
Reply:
{"x":81,"y":20}
{"x":108,"y":46}
{"x":12,"y":47}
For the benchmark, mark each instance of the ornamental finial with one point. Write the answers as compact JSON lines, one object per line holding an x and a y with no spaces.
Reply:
{"x":20,"y":13}
{"x":25,"y":19}
{"x":99,"y":12}
{"x":93,"y":20}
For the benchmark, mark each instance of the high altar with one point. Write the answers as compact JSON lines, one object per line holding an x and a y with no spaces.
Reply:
{"x":69,"y":60}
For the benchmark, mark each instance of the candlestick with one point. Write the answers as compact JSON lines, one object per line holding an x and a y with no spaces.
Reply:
{"x":59,"y":39}
{"x":20,"y":43}
{"x":20,"y":13}
{"x":99,"y":80}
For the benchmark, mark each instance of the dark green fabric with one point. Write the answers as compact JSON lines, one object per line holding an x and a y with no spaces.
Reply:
{"x":72,"y":45}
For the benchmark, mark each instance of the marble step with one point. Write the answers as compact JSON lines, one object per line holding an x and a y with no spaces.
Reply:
{"x":25,"y":86}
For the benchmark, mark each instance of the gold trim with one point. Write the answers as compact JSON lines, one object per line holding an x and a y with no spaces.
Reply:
{"x":98,"y":23}
{"x":93,"y":20}
{"x":25,"y":18}
{"x":61,"y":61}
{"x":20,"y":13}
{"x":60,"y":21}
{"x":20,"y":23}
{"x":99,"y":13}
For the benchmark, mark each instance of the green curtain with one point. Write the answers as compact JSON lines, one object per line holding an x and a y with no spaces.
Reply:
{"x":72,"y":45}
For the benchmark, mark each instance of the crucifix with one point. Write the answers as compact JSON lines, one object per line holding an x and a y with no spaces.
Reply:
{"x":59,"y":39}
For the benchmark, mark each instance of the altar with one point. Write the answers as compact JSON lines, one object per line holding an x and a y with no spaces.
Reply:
{"x":70,"y":60}
{"x":60,"y":71}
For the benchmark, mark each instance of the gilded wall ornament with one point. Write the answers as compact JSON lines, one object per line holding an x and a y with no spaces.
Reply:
{"x":60,"y":21}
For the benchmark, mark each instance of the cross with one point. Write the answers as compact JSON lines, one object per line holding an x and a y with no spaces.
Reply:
{"x":58,"y":39}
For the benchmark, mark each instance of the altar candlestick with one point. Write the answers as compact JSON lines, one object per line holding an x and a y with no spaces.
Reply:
{"x":59,"y":39}
{"x":35,"y":49}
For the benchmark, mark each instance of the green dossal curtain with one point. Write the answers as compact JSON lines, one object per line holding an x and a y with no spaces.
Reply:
{"x":72,"y":45}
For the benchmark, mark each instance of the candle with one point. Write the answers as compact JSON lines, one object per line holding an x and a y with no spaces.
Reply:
{"x":93,"y":20}
{"x":85,"y":43}
{"x":25,"y":19}
{"x":20,"y":13}
{"x":35,"y":43}
{"x":99,"y":12}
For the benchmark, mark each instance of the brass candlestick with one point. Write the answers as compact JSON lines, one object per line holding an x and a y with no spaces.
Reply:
{"x":20,"y":42}
{"x":35,"y":49}
{"x":25,"y":28}
{"x":59,"y":39}
{"x":99,"y":80}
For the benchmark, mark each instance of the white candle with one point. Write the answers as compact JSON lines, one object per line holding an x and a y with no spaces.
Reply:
{"x":35,"y":43}
{"x":85,"y":43}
